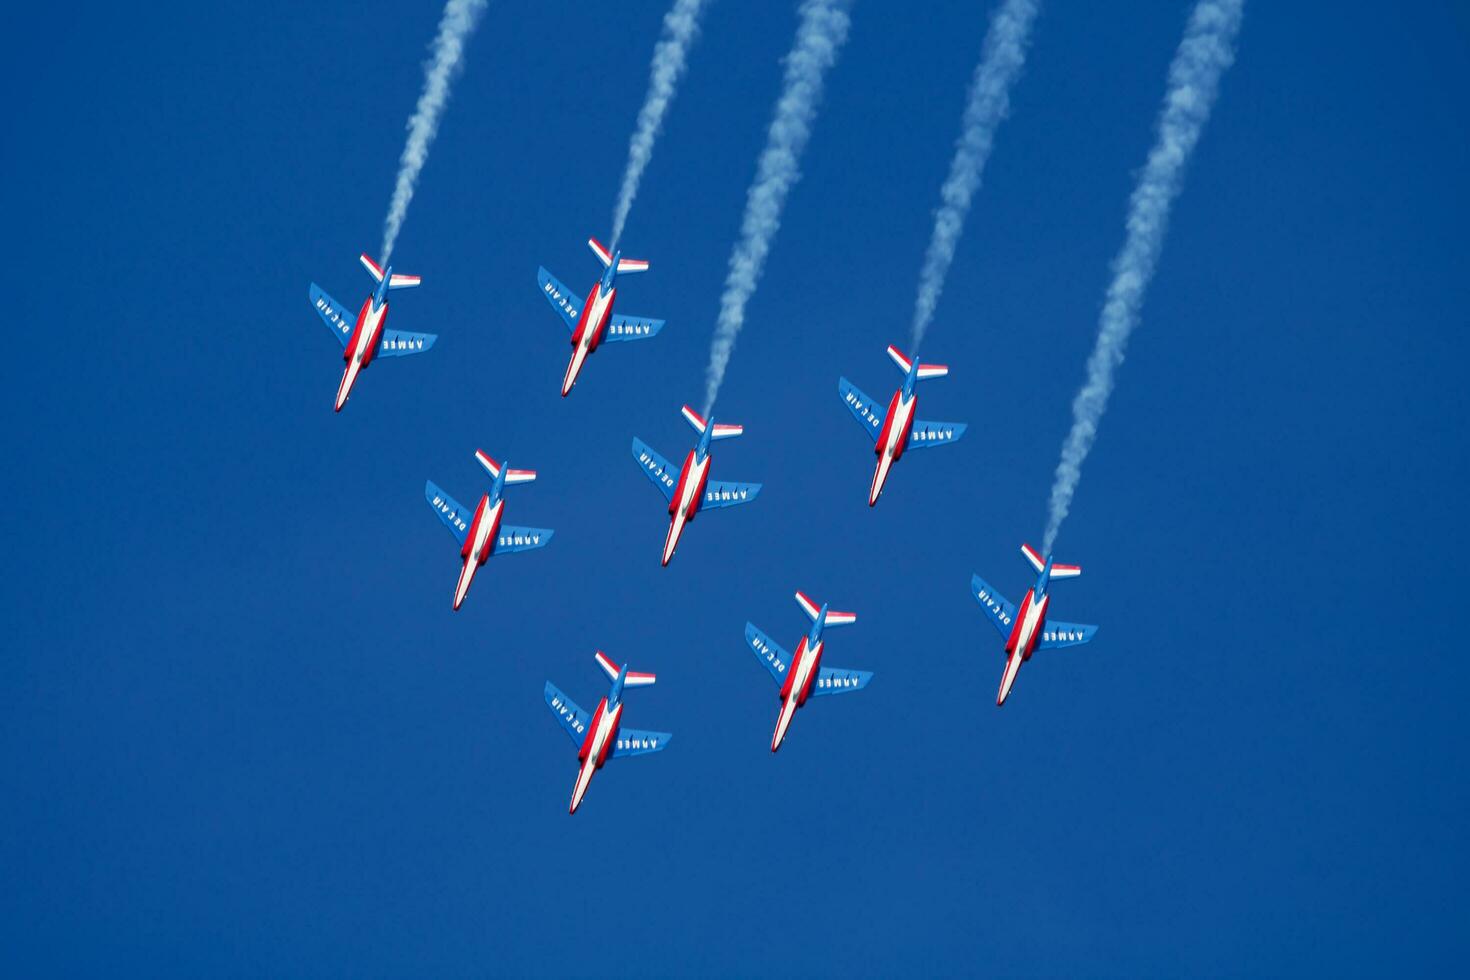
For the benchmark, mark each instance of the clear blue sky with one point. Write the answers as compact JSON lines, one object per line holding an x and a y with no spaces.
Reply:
{"x":241,"y":731}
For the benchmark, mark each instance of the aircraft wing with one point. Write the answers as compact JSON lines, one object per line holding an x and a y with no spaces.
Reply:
{"x":925,"y":434}
{"x":768,"y":652}
{"x":1001,"y":612}
{"x":620,"y":327}
{"x":338,"y":318}
{"x":633,"y":742}
{"x":511,"y":540}
{"x":572,"y":718}
{"x":868,"y":414}
{"x":836,"y":680}
{"x":721,"y":493}
{"x":1064,"y":635}
{"x":562,"y":299}
{"x":399,"y":343}
{"x":450,"y":511}
{"x":656,"y":468}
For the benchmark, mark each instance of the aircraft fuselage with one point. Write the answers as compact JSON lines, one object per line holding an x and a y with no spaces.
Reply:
{"x":591,"y":326}
{"x":361,"y":346}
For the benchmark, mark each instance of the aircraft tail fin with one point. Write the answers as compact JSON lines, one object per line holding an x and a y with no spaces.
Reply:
{"x":604,"y":255}
{"x":493,"y":468}
{"x":634,"y":679}
{"x":905,"y":363}
{"x":1058,"y":570}
{"x":699,"y":425}
{"x":834,"y":618}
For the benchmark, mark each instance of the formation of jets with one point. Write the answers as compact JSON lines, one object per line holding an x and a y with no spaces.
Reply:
{"x":687,"y":490}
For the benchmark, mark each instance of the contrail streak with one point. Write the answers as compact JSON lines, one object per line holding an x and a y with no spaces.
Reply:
{"x":681,"y":24}
{"x":454,"y":29}
{"x":819,"y":39}
{"x":1207,"y":50}
{"x":1002,"y":55}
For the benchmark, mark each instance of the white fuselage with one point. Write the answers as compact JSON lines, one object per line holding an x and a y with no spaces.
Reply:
{"x":480,"y":547}
{"x":807,"y":659}
{"x":684,"y":504}
{"x":1030,"y":620}
{"x":362,"y":343}
{"x":604,"y":725}
{"x":893,"y":436}
{"x":599,"y":307}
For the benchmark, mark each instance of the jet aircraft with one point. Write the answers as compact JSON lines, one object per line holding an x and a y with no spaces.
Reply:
{"x":600,"y":735}
{"x":692,"y":488}
{"x":593,"y":322}
{"x":480,"y":532}
{"x":366,"y":337}
{"x":803,"y":675}
{"x":896,"y":429}
{"x":1027,"y":629}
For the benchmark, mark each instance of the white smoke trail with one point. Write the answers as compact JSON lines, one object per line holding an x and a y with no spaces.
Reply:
{"x":1207,"y":50}
{"x":455,"y":26}
{"x":1002,"y":55}
{"x":681,"y":24}
{"x":819,"y":39}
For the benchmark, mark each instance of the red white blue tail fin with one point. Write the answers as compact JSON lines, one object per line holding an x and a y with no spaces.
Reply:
{"x":812,"y":610}
{"x":395,"y":281}
{"x":721,"y":431}
{"x":905,"y":364}
{"x":1058,"y":570}
{"x":605,"y":257}
{"x":634,"y":679}
{"x":493,"y":468}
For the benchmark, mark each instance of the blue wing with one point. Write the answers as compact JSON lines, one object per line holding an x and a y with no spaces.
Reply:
{"x":562,"y":299}
{"x":868,"y":414}
{"x":572,"y":718}
{"x":1000,"y":611}
{"x":720,"y":493}
{"x":451,"y":513}
{"x":656,"y":468}
{"x":768,"y":652}
{"x":398,"y":343}
{"x":633,"y":742}
{"x":620,"y":327}
{"x":836,"y":680}
{"x":925,"y":434}
{"x":338,"y":318}
{"x":510,"y":539}
{"x":1064,"y":635}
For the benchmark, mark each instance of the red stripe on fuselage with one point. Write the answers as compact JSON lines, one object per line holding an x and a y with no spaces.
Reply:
{"x":372,"y":347}
{"x":683,"y":482}
{"x":585,"y":328}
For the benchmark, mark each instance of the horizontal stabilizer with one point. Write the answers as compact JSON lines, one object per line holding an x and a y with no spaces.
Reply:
{"x":399,"y":281}
{"x":905,"y":364}
{"x":600,"y":250}
{"x":632,"y":265}
{"x":721,"y":431}
{"x":634,"y":678}
{"x":1033,"y":557}
{"x":493,"y":468}
{"x":834,"y":618}
{"x":373,"y":269}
